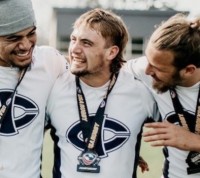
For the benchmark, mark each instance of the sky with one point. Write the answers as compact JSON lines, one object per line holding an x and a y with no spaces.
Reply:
{"x":43,"y":11}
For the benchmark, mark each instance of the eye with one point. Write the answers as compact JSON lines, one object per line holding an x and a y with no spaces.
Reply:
{"x":13,"y":38}
{"x":72,"y":39}
{"x":32,"y":33}
{"x":87,"y":43}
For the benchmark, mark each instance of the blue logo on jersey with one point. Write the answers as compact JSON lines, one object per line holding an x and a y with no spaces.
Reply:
{"x":113,"y":135}
{"x":20,"y":114}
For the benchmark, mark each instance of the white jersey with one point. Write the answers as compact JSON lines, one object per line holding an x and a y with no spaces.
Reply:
{"x":21,"y":134}
{"x":128,"y":105}
{"x":175,"y":164}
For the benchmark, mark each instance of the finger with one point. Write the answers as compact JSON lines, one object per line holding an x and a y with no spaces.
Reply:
{"x":155,"y":131}
{"x":155,"y":125}
{"x":157,"y":137}
{"x":159,"y":143}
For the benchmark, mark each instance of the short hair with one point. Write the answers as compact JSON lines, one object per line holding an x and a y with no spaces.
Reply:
{"x":178,"y":36}
{"x":111,"y":27}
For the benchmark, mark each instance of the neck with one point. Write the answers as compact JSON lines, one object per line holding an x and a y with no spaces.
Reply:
{"x":96,"y":81}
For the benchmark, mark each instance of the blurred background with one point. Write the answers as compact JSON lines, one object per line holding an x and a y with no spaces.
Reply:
{"x":55,"y":18}
{"x":54,"y":22}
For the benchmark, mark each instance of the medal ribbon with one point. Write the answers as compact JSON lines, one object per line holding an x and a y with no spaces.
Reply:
{"x":180,"y":113}
{"x":6,"y":105}
{"x":90,"y":130}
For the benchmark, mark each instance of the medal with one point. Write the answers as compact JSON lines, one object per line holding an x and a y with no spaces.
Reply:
{"x":88,"y":162}
{"x":89,"y":159}
{"x":193,"y":161}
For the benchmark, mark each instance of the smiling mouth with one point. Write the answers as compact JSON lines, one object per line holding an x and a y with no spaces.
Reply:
{"x":78,"y":60}
{"x":23,"y":54}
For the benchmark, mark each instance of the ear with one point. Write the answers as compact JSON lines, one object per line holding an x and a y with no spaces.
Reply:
{"x":189,"y":70}
{"x":112,"y":52}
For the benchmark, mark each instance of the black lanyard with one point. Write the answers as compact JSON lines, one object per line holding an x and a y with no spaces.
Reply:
{"x":6,"y":105}
{"x":92,"y":131}
{"x":180,"y":113}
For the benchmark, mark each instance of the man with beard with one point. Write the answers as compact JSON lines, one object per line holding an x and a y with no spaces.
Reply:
{"x":98,"y":109}
{"x":171,"y":70}
{"x":27,"y":74}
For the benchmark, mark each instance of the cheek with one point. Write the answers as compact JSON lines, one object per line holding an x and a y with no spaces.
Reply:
{"x":5,"y":50}
{"x":93,"y":61}
{"x":159,"y":76}
{"x":33,"y":40}
{"x":164,"y":77}
{"x":69,"y":50}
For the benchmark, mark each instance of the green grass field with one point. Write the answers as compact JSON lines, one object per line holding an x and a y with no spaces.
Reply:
{"x":153,"y":156}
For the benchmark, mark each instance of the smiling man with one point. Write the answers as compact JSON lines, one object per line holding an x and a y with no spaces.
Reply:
{"x":16,"y":49}
{"x":171,"y":70}
{"x":97,"y":111}
{"x":27,"y":74}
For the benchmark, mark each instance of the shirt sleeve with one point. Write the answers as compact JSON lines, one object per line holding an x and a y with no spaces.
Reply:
{"x":149,"y":102}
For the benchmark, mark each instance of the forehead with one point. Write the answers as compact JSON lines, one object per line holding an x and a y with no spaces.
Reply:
{"x":159,"y":58}
{"x":87,"y":32}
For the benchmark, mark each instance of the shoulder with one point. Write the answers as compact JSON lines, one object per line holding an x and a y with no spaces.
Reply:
{"x":64,"y":87}
{"x":49,"y":57}
{"x":137,"y":68}
{"x":131,"y":81}
{"x":47,"y":53}
{"x":46,"y":49}
{"x":137,"y":92}
{"x":65,"y":81}
{"x":137,"y":64}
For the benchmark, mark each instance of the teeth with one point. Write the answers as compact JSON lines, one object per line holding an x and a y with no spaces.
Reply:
{"x":22,"y":54}
{"x":77,"y":60}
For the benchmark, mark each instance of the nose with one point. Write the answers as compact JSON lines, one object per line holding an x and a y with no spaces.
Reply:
{"x":25,"y":44}
{"x":149,"y":70}
{"x":75,"y":47}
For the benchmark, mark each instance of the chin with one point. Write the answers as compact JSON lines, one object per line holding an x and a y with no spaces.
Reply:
{"x":79,"y":73}
{"x":23,"y":64}
{"x":161,"y":88}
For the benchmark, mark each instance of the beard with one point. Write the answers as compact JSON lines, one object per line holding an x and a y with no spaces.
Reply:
{"x":92,"y":71}
{"x":80,"y":73}
{"x":162,"y":87}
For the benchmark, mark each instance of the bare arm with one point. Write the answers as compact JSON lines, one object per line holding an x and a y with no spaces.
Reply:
{"x":168,"y":134}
